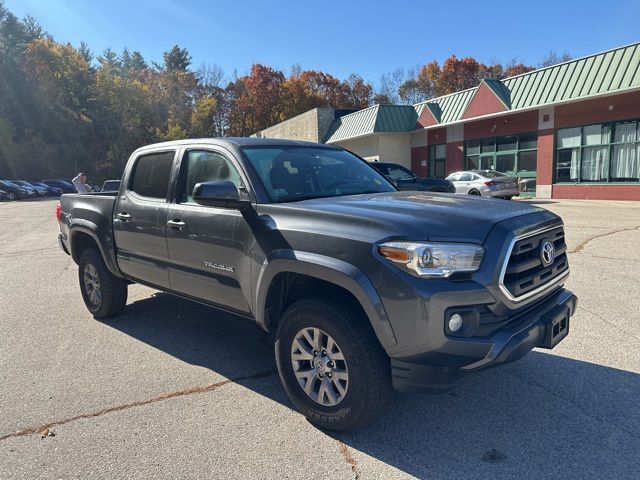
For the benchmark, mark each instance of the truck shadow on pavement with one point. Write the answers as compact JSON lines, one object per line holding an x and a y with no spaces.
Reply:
{"x":544,"y":416}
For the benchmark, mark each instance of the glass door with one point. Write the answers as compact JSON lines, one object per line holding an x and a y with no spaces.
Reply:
{"x":486,"y":162}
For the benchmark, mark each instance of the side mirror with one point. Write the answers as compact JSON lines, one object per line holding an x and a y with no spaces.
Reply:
{"x":221,"y":193}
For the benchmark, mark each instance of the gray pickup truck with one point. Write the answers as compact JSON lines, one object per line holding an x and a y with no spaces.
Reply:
{"x":365,"y":288}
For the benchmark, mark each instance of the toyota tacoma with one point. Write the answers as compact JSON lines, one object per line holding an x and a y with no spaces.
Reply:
{"x":364,"y":287}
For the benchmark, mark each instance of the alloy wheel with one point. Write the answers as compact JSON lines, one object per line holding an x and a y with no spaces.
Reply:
{"x":319,"y":366}
{"x":92,"y":285}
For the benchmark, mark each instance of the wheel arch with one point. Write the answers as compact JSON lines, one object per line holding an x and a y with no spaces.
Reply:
{"x":81,"y":238}
{"x":283,"y":277}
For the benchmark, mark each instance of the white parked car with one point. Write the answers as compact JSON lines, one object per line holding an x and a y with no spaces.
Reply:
{"x":486,"y":183}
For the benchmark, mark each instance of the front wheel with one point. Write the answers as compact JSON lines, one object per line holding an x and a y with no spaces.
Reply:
{"x":331,"y":364}
{"x":104,"y":294}
{"x":12,"y":196}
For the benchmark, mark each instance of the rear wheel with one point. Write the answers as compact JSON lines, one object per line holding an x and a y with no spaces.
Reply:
{"x":331,"y":364}
{"x":12,"y":196}
{"x":475,"y":193}
{"x":104,"y":294}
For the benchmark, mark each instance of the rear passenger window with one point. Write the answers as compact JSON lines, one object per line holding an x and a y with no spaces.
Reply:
{"x":151,"y":175}
{"x":466,"y":177}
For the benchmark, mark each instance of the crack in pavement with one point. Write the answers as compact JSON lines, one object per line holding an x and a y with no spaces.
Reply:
{"x":600,"y":317}
{"x":346,"y":454}
{"x":626,"y":260}
{"x":118,"y":408}
{"x":584,"y":243}
{"x":580,"y":409}
{"x":27,"y":252}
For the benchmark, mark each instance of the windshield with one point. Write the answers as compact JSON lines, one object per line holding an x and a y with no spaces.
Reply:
{"x":290,"y":174}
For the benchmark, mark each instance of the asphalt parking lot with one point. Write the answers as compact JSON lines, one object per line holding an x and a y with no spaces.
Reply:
{"x":172,"y":389}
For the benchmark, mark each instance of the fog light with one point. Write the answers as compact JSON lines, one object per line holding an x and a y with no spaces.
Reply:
{"x":455,"y":322}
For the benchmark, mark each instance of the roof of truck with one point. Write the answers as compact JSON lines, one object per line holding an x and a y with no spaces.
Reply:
{"x":237,"y":141}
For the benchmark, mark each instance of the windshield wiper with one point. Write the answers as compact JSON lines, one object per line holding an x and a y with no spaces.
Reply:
{"x":298,"y":198}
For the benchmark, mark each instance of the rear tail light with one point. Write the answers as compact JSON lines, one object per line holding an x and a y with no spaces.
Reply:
{"x":489,"y":183}
{"x":58,"y":212}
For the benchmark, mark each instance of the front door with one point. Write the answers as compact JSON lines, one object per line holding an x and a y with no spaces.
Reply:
{"x":463,"y":183}
{"x":140,"y":217}
{"x":209,"y":247}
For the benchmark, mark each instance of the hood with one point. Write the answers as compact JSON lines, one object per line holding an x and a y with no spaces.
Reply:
{"x":413,"y":215}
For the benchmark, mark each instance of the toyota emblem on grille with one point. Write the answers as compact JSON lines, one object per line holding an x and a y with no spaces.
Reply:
{"x":547,"y":253}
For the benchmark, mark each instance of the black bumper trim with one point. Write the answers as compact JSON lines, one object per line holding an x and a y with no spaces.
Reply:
{"x":543,"y":329}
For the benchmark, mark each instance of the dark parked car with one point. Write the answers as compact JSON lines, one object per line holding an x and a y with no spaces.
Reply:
{"x":64,"y":185}
{"x":41,"y":191}
{"x":111,"y":186}
{"x":365,"y":288}
{"x":53,"y":191}
{"x":31,"y":192}
{"x":14,"y":191}
{"x":405,"y":179}
{"x":4,"y":195}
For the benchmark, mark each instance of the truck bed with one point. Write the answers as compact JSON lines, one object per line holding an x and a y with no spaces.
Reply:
{"x":91,"y":213}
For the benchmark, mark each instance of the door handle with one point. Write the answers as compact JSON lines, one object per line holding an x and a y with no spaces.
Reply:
{"x":124,"y":216}
{"x":177,"y":224}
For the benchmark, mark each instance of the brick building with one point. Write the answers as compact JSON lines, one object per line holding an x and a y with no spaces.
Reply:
{"x":573,"y":128}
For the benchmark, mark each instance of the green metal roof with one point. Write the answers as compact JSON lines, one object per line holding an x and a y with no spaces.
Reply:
{"x":376,"y":119}
{"x":607,"y":72}
{"x":612,"y":71}
{"x":452,"y":106}
{"x":499,"y":89}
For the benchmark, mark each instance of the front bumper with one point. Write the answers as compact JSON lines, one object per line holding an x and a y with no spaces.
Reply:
{"x":542,"y":326}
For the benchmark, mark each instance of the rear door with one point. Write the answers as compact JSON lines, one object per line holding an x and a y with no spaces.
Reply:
{"x":140,"y":219}
{"x":209,"y":247}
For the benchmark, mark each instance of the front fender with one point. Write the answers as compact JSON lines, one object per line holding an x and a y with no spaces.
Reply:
{"x":330,"y":270}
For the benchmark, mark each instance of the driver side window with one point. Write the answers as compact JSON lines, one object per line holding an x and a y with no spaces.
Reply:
{"x":399,"y":174}
{"x":205,"y":166}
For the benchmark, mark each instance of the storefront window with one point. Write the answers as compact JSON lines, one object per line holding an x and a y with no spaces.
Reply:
{"x":625,"y":156}
{"x":437,"y":161}
{"x":512,"y":154}
{"x":506,"y":162}
{"x":607,"y":152}
{"x":527,"y":161}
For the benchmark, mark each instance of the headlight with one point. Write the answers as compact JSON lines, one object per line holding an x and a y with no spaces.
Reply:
{"x":433,"y":260}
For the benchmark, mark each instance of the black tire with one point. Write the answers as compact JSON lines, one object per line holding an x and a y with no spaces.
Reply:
{"x":475,"y":193}
{"x":369,"y":388}
{"x":112,"y":290}
{"x":12,"y":196}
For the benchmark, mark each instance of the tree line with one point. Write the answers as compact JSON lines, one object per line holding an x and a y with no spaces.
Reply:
{"x":64,"y":109}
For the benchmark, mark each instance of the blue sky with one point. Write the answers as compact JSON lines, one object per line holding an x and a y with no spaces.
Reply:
{"x":369,"y":38}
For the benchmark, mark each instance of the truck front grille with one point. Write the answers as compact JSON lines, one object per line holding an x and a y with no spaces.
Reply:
{"x":525,"y":272}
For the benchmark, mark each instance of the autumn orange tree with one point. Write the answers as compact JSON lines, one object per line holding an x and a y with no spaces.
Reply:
{"x":455,"y":74}
{"x":63,"y":108}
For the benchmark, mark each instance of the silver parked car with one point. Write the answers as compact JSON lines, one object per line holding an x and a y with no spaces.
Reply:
{"x":486,"y":183}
